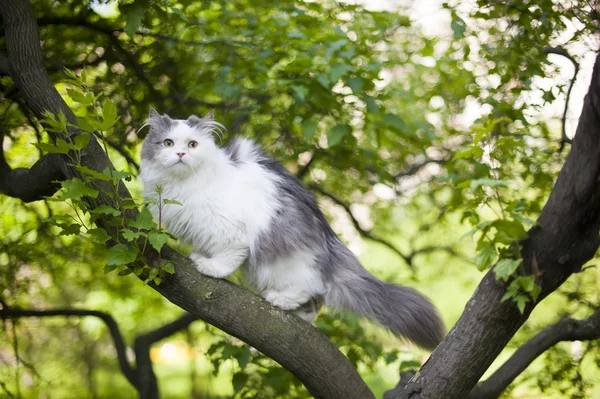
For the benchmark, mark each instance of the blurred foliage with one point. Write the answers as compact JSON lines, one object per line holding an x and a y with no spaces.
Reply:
{"x":361,"y":104}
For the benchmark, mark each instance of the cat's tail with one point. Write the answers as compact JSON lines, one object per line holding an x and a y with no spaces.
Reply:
{"x":403,"y":310}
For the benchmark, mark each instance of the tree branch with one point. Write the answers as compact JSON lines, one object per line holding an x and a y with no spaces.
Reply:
{"x":566,"y":237}
{"x":129,"y":373}
{"x":34,"y":183}
{"x":295,"y":344}
{"x":566,"y":329}
{"x":561,"y":51}
{"x":146,"y":379}
{"x":361,"y":231}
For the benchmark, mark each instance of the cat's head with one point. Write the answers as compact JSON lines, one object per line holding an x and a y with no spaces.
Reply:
{"x":180,"y":146}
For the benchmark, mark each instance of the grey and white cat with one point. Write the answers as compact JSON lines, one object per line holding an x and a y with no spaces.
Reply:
{"x":241,"y":208}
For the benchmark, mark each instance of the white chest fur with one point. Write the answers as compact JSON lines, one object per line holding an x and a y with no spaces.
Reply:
{"x":224,"y":207}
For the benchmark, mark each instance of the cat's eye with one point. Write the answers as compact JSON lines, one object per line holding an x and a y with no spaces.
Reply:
{"x":168,"y":143}
{"x":193,"y":144}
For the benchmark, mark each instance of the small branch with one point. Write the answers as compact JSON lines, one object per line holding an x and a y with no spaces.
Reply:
{"x":169,"y":329}
{"x":126,"y":369}
{"x":306,"y":168}
{"x":107,"y":29}
{"x":415,"y":168}
{"x":120,"y":149}
{"x":146,"y":379}
{"x":566,"y":329}
{"x":360,"y":230}
{"x":561,"y":51}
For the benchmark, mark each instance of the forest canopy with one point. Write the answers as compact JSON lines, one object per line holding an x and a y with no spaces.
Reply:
{"x":444,"y":147}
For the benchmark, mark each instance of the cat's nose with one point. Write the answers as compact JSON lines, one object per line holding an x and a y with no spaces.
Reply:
{"x":181,"y":154}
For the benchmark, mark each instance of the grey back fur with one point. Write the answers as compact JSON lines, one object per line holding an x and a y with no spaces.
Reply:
{"x":300,"y":224}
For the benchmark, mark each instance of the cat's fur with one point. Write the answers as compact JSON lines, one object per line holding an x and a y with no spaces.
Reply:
{"x":241,"y":208}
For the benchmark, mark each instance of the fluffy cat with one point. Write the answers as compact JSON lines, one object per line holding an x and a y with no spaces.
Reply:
{"x":241,"y":208}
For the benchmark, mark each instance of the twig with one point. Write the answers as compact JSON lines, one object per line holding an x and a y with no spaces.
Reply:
{"x":360,"y":230}
{"x":113,"y":327}
{"x":561,"y":51}
{"x":566,"y":329}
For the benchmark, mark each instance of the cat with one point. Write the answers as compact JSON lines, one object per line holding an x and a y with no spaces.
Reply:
{"x":241,"y":208}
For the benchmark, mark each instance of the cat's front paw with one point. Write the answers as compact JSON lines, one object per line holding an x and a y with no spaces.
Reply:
{"x":205,"y":266}
{"x":283,"y":300}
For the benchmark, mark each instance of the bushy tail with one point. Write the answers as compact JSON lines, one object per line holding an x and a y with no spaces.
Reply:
{"x":403,"y":310}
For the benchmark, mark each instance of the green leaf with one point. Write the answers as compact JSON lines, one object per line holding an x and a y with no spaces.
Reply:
{"x":133,"y":18}
{"x":79,"y":97}
{"x":409,"y":364}
{"x":486,"y":257}
{"x":130,"y":235}
{"x":337,"y":134}
{"x":395,"y":122}
{"x":81,"y":141}
{"x":243,"y":357}
{"x":323,"y":79}
{"x":109,"y":268}
{"x":521,"y":302}
{"x":152,"y":274}
{"x":505,"y":268}
{"x":106,"y":210}
{"x":98,"y":235}
{"x":356,"y":84}
{"x":473,"y":152}
{"x":458,"y":26}
{"x":109,"y":116}
{"x":299,"y":92}
{"x":116,"y":174}
{"x":170,"y":201}
{"x":69,"y":228}
{"x":59,"y":147}
{"x":508,"y":231}
{"x":487,"y":182}
{"x":157,"y":240}
{"x":169,"y":267}
{"x":76,"y":189}
{"x":309,"y":128}
{"x":121,"y":254}
{"x":143,"y":220}
{"x":86,"y":124}
{"x":338,"y":70}
{"x":95,"y":175}
{"x":239,"y":381}
{"x":125,"y":272}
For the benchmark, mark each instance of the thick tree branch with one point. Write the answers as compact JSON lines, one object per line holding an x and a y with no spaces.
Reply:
{"x":295,"y":344}
{"x":566,"y":329}
{"x":566,"y":238}
{"x":111,"y":324}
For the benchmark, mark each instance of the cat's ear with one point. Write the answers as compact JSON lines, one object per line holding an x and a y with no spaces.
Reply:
{"x":210,"y":117}
{"x":152,"y":113}
{"x":194,"y":121}
{"x":158,"y":122}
